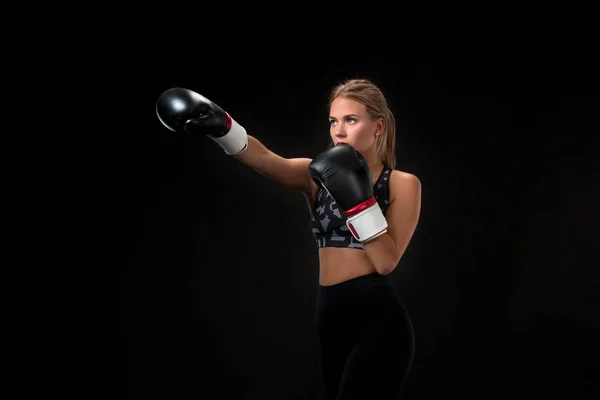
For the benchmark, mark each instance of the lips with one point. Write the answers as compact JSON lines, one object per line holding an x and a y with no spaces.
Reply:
{"x":341,"y":144}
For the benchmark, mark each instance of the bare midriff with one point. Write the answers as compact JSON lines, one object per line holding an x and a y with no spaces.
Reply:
{"x":337,"y":264}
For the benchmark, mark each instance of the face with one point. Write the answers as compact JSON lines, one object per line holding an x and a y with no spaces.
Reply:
{"x":349,"y":123}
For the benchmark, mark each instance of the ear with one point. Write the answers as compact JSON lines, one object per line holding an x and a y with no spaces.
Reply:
{"x":380,"y":126}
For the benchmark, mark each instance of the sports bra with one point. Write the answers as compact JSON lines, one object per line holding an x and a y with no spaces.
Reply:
{"x":329,"y":222}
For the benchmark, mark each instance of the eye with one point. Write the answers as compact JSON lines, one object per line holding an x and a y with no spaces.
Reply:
{"x":332,"y":122}
{"x":351,"y":120}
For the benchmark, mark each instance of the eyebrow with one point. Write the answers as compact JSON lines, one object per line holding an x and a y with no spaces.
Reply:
{"x":345,"y":116}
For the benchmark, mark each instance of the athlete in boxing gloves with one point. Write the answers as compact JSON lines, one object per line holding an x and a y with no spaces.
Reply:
{"x":364,"y":213}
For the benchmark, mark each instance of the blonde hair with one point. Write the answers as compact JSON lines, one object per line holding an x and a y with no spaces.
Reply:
{"x":367,"y":93}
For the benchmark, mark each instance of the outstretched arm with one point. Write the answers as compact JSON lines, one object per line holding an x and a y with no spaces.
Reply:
{"x":185,"y":111}
{"x":289,"y":172}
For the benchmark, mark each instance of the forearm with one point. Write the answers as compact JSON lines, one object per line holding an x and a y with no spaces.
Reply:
{"x":382,"y":253}
{"x":288,"y":172}
{"x":369,"y":226}
{"x":255,"y":154}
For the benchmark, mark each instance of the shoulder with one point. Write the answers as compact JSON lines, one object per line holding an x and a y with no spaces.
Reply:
{"x":404,"y":185}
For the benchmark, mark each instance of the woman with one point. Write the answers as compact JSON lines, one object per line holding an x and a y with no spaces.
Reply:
{"x":364,"y":213}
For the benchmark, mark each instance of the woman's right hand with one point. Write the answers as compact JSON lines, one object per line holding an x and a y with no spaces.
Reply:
{"x":185,"y":111}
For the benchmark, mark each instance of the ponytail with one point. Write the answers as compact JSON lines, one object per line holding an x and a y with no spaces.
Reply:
{"x":386,"y":142}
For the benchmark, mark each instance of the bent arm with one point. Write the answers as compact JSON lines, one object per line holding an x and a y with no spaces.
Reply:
{"x":403,"y":213}
{"x":289,"y":172}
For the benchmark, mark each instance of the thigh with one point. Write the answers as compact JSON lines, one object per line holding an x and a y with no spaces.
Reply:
{"x":379,"y":362}
{"x":333,"y":353}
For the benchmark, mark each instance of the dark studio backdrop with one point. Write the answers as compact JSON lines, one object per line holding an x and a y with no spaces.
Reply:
{"x":501,"y":277}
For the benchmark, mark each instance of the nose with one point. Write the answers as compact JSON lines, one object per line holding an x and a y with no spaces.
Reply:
{"x":339,"y":133}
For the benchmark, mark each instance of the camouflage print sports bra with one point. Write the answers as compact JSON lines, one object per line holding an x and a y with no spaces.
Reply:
{"x":329,"y":223}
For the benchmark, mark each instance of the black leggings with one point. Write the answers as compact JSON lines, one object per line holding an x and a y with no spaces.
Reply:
{"x":366,"y":341}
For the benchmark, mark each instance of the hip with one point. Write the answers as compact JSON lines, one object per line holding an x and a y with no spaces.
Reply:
{"x":361,"y":300}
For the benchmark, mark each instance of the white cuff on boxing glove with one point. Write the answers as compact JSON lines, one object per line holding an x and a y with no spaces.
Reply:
{"x":235,"y":141}
{"x":366,"y":221}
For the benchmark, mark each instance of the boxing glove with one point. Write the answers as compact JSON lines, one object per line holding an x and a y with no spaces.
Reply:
{"x":344,"y":174}
{"x":185,"y":111}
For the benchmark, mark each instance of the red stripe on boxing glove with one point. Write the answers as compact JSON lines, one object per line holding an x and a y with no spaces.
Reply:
{"x":235,"y":141}
{"x":366,"y":221}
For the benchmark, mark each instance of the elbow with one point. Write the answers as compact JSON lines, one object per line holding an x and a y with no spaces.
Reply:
{"x":384,"y":259}
{"x":386,"y":267}
{"x":388,"y":264}
{"x":384,"y":271}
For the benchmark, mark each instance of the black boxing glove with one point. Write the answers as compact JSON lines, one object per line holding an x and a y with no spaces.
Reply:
{"x":185,"y":111}
{"x":344,"y":173}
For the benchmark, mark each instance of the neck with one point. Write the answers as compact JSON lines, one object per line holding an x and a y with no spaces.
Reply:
{"x":375,"y":165}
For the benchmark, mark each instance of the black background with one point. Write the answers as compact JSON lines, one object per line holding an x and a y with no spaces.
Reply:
{"x":501,"y":276}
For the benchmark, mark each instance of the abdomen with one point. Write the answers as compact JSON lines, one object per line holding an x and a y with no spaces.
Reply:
{"x":338,"y":264}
